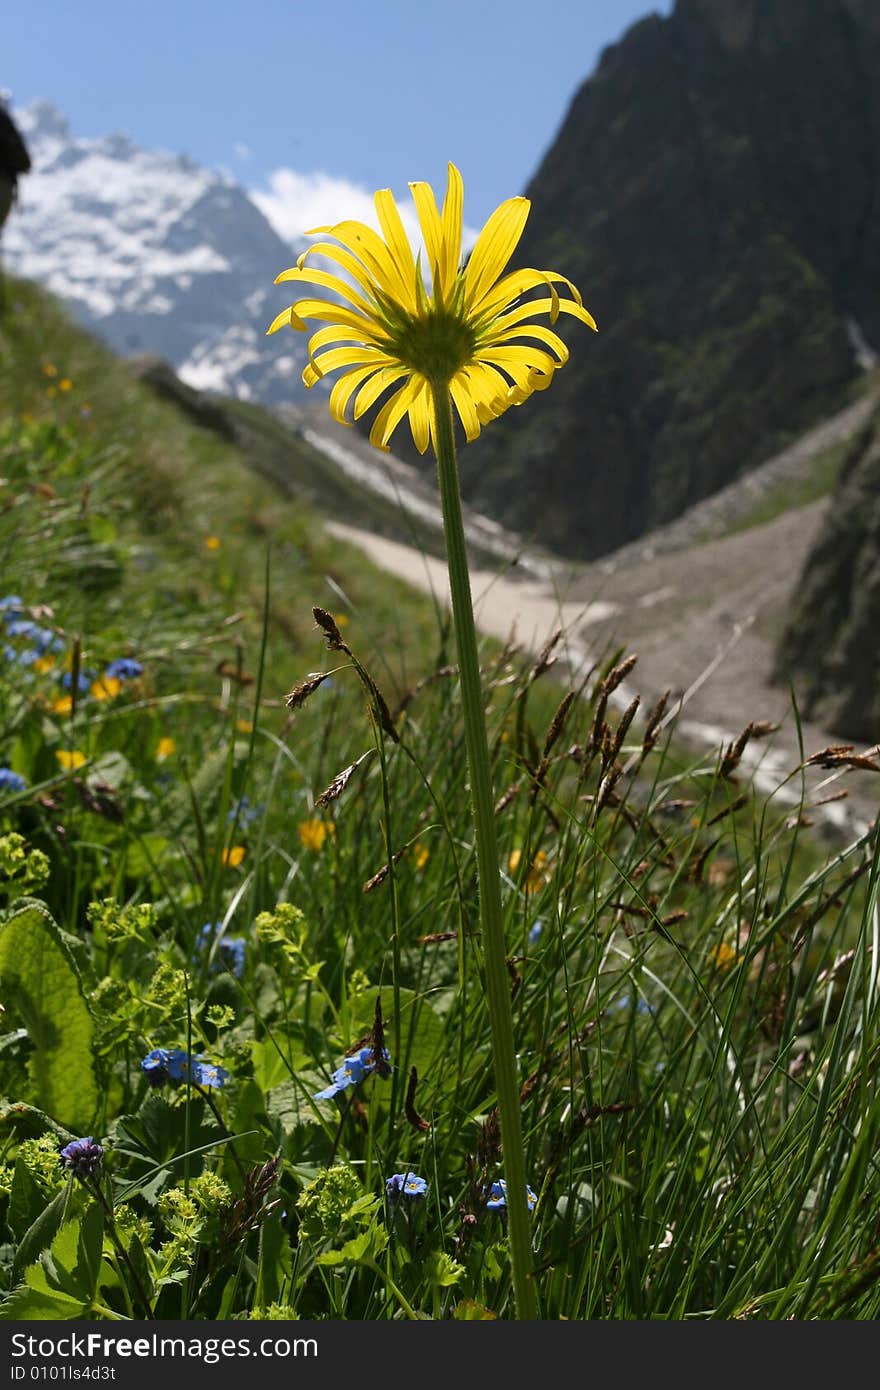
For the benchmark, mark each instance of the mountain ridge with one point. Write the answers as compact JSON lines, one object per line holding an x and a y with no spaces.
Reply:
{"x":154,"y":253}
{"x":716,"y":217}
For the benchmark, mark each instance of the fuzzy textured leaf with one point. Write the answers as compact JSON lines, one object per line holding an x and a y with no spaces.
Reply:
{"x":42,"y":985}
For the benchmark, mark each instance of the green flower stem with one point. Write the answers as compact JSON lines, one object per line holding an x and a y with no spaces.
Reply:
{"x":488,"y":873}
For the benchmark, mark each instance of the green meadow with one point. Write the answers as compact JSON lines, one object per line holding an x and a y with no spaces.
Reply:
{"x":245,"y":1062}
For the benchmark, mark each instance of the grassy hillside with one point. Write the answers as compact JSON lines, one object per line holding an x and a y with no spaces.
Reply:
{"x":158,"y":488}
{"x":245,"y":1069}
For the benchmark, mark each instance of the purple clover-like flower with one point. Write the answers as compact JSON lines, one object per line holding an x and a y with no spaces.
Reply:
{"x":82,"y":1158}
{"x":405,"y":1185}
{"x":352,"y":1070}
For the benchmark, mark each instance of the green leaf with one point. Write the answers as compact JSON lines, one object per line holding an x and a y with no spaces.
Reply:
{"x":275,"y":1261}
{"x":42,"y":985}
{"x":26,"y":1200}
{"x":64,"y":1282}
{"x":362,"y":1249}
{"x":39,"y":1236}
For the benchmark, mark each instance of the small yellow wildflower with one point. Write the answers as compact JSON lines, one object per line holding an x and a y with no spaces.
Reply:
{"x":244,"y":726}
{"x":63,"y":704}
{"x":233,"y":856}
{"x":65,"y":384}
{"x":212,"y":542}
{"x":164,"y":748}
{"x":723,"y":955}
{"x":539,"y":873}
{"x":313,"y":833}
{"x":421,"y":855}
{"x":340,"y":619}
{"x":44,"y":664}
{"x":106,"y":687}
{"x":70,"y":760}
{"x":49,"y":369}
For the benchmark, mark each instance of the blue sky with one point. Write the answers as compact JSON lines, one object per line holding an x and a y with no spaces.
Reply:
{"x":364,"y":94}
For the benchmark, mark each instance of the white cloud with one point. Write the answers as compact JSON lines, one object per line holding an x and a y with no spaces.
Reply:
{"x":294,"y":202}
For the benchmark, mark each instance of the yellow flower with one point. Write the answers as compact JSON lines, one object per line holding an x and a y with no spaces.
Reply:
{"x":244,"y":726}
{"x":421,"y":855}
{"x":539,"y":873}
{"x":212,"y":542}
{"x":723,"y":955}
{"x":49,"y":369}
{"x":106,"y":687}
{"x":44,"y":664}
{"x":63,"y":704}
{"x":65,"y":384}
{"x":233,"y":856}
{"x":340,"y":619}
{"x":313,"y":833}
{"x":70,"y":760}
{"x":164,"y":748}
{"x":468,"y":336}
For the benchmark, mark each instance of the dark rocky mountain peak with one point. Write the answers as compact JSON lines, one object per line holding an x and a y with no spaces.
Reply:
{"x":714,"y":192}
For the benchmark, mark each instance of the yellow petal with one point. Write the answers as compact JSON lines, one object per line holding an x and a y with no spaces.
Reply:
{"x":395,"y":236}
{"x":489,"y":389}
{"x":420,"y":418}
{"x":342,"y":257}
{"x":494,"y":247}
{"x":503,"y":294}
{"x":458,"y":389}
{"x":331,"y":312}
{"x":313,"y":276}
{"x":453,"y":204}
{"x":341,"y":357}
{"x":393,"y":411}
{"x":285,"y":318}
{"x":343,"y":390}
{"x":533,"y":330}
{"x":375,"y":255}
{"x":518,"y":354}
{"x":530,"y":307}
{"x":371,"y":392}
{"x":432,"y":231}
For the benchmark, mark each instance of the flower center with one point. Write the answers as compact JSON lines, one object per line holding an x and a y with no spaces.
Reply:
{"x":435,"y":342}
{"x":435,"y":345}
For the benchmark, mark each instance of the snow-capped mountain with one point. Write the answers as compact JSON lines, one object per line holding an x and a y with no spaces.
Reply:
{"x":154,"y":253}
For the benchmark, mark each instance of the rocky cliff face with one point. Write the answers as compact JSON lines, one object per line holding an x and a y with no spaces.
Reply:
{"x":714,"y":192}
{"x":830,"y":651}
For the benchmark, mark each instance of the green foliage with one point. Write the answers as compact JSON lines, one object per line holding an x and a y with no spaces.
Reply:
{"x":45,"y":992}
{"x":691,"y":966}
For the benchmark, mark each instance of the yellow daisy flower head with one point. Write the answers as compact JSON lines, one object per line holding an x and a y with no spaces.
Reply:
{"x":470,"y":336}
{"x":164,"y":748}
{"x":723,"y":955}
{"x":106,"y":687}
{"x":232,"y":856}
{"x":70,"y":759}
{"x":313,"y":833}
